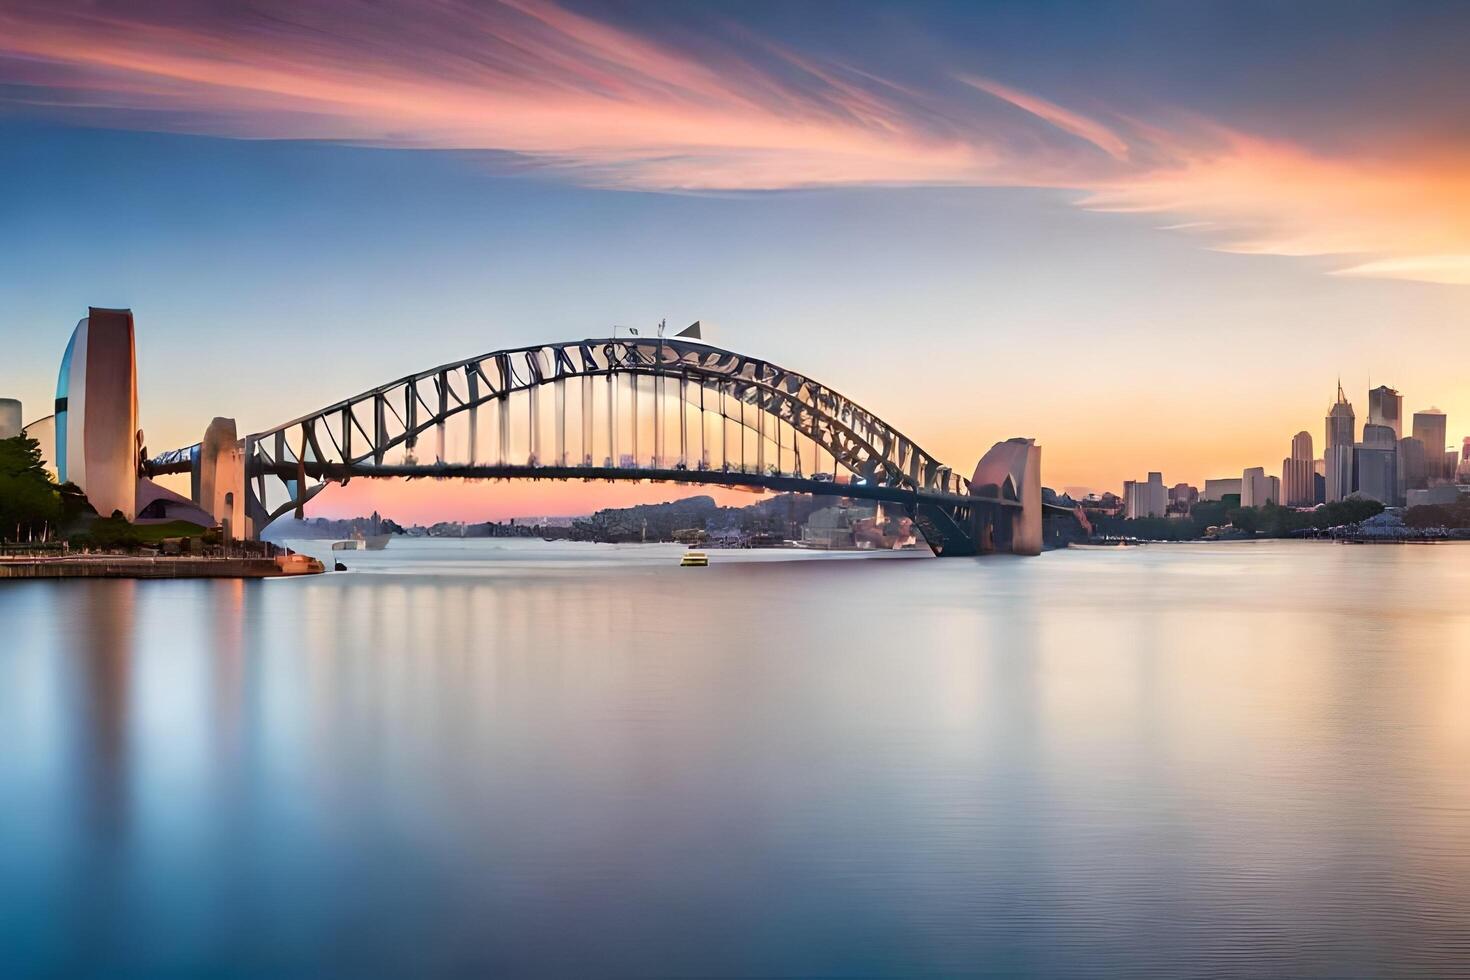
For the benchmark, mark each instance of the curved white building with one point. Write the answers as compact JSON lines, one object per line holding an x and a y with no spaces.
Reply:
{"x":97,"y":412}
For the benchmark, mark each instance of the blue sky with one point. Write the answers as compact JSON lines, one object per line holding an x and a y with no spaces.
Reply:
{"x":1129,"y":241}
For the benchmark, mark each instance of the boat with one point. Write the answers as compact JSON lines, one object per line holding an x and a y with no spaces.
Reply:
{"x":362,"y":542}
{"x":694,"y":559}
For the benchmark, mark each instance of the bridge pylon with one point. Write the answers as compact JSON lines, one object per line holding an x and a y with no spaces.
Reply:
{"x":1011,"y":470}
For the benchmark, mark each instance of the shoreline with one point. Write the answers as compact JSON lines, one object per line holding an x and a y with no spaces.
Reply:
{"x":162,"y":567}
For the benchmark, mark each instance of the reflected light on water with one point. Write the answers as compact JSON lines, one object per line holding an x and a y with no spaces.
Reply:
{"x":525,"y":758}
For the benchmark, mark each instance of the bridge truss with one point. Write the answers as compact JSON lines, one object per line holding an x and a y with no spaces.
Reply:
{"x":615,"y":409}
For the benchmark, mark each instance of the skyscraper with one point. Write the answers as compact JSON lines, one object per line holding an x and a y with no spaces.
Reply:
{"x":1376,"y":464}
{"x":1413,"y":472}
{"x":1430,"y":428}
{"x":1298,"y":472}
{"x":1386,"y":407}
{"x":1337,"y":458}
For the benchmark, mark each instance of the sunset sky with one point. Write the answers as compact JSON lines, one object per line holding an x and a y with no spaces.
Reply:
{"x":1152,"y":236}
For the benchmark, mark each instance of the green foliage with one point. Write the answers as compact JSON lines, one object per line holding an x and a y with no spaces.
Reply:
{"x":110,"y":533}
{"x":1452,"y":515}
{"x":1269,"y":521}
{"x":29,"y":502}
{"x":74,"y":503}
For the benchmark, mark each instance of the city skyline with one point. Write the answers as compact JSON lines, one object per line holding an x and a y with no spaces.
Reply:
{"x":903,"y":203}
{"x":1419,"y":458}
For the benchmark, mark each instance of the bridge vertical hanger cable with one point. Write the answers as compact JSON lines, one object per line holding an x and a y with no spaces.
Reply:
{"x":472,"y":387}
{"x":684,"y":419}
{"x":612,"y":416}
{"x":502,"y":418}
{"x":633,"y":414}
{"x":559,"y":392}
{"x":587,"y":420}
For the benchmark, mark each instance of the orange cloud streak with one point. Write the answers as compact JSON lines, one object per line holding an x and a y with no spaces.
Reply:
{"x":612,"y":108}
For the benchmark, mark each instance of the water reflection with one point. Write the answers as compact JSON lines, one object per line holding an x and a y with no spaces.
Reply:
{"x":100,"y":657}
{"x":1219,"y":759}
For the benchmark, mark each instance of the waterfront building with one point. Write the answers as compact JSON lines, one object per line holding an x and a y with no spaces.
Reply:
{"x":1148,"y":498}
{"x":1337,"y":457}
{"x":1430,"y":428}
{"x":1413,"y":470}
{"x":1386,"y":408}
{"x":97,"y":412}
{"x":1257,"y":489}
{"x":1218,"y":489}
{"x":1298,"y":473}
{"x":1462,"y":470}
{"x":10,"y":416}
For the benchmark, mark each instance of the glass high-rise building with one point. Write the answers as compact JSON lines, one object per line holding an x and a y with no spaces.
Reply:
{"x":1337,"y":457}
{"x":1376,"y":464}
{"x":1386,"y":408}
{"x":1430,"y":428}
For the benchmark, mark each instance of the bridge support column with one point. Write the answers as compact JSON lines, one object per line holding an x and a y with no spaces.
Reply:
{"x":1013,"y":469}
{"x":221,"y":483}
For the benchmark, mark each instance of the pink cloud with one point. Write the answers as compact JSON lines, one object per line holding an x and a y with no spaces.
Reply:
{"x":607,"y":106}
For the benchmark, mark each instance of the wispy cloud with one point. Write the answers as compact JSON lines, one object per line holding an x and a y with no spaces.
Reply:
{"x":1064,"y":119}
{"x":607,"y":105}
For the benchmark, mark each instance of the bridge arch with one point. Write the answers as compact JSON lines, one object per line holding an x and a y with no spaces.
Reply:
{"x":380,"y":432}
{"x":358,"y":433}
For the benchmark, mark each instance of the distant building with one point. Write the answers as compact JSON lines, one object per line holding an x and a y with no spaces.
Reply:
{"x":1146,"y":499}
{"x":1462,"y":471}
{"x":1298,"y":473}
{"x":1218,"y":489}
{"x":1413,"y":469}
{"x":1430,"y":428}
{"x":10,"y":418}
{"x":1375,"y":465}
{"x":1182,"y":497}
{"x":1386,"y":408}
{"x":1337,"y":457}
{"x":1257,"y":489}
{"x":1107,"y":502}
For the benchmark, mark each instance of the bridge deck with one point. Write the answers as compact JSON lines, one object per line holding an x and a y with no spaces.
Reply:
{"x":780,"y":483}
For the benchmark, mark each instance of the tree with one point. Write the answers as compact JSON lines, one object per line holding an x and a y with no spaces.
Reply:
{"x":30,"y":505}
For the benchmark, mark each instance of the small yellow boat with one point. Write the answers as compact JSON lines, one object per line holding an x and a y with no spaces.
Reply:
{"x":694,"y":559}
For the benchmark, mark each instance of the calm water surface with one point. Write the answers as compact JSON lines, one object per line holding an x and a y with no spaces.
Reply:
{"x":512,"y":758}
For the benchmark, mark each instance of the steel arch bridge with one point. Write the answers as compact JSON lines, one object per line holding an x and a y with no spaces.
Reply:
{"x":624,"y":397}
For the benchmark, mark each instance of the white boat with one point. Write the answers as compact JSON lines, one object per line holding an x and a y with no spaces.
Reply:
{"x":362,"y":542}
